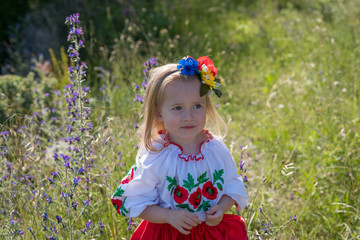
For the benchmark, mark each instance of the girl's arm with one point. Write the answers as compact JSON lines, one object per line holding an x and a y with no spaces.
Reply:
{"x":179,"y":219}
{"x":216,"y":212}
{"x":226,"y":203}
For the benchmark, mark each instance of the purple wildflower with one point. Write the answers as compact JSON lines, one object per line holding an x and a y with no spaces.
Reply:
{"x":81,"y":170}
{"x":76,"y":181}
{"x":138,"y":98}
{"x":49,"y":199}
{"x":58,"y":218}
{"x":65,"y":157}
{"x":152,"y":61}
{"x":44,"y":227}
{"x":86,"y":202}
{"x":265,"y":228}
{"x":241,"y":165}
{"x":101,"y":225}
{"x":45,"y":216}
{"x":78,"y":31}
{"x":54,"y":174}
{"x":88,"y":224}
{"x":30,"y":230}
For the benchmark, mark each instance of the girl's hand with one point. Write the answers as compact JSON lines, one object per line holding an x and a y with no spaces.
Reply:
{"x":182,"y":220}
{"x":214,"y":216}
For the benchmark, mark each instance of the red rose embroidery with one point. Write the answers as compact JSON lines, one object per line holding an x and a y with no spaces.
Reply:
{"x":180,"y":194}
{"x":207,"y":61}
{"x":209,"y":191}
{"x":117,"y":203}
{"x":195,"y":198}
{"x":128,"y":178}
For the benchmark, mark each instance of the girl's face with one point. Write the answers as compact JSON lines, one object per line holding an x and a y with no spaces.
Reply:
{"x":183,"y":111}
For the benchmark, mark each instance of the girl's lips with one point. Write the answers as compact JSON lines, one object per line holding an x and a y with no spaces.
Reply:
{"x":188,"y":127}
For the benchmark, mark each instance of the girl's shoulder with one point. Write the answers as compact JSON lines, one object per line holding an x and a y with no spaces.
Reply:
{"x":217,"y":144}
{"x":147,"y":157}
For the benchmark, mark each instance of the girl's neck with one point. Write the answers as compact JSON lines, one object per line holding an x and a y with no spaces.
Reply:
{"x":191,"y":147}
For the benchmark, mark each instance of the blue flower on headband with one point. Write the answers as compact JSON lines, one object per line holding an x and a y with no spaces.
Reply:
{"x":188,"y":66}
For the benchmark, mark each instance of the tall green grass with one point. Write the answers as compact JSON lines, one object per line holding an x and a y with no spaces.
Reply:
{"x":292,"y":94}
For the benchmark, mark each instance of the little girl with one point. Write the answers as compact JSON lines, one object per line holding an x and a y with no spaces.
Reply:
{"x":184,"y":178}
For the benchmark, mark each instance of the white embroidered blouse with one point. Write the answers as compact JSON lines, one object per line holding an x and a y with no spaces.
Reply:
{"x":170,"y":179}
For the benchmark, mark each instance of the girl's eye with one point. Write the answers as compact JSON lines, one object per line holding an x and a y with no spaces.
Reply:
{"x":197,"y":106}
{"x":177,"y":108}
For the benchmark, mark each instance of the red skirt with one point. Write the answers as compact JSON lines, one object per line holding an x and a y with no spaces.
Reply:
{"x":230,"y":228}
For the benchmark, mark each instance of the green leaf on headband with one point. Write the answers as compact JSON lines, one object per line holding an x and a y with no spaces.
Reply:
{"x":204,"y":89}
{"x":217,"y":92}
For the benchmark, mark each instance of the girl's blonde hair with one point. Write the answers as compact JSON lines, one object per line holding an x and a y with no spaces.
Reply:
{"x":159,"y":78}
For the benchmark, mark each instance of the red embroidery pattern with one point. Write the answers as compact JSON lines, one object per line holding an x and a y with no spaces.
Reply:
{"x":209,"y":191}
{"x":167,"y":143}
{"x":129,"y":176}
{"x":180,"y":194}
{"x":198,"y":199}
{"x":117,"y":203}
{"x":195,"y":198}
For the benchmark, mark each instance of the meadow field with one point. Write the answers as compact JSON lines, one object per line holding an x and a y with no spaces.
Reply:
{"x":291,"y":97}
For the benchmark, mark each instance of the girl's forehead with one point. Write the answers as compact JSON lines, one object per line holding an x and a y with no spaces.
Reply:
{"x":180,"y":91}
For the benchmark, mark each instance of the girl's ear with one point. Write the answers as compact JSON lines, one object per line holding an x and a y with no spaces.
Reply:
{"x":158,"y":116}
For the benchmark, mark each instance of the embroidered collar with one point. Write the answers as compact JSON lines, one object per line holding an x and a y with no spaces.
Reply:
{"x":185,"y":157}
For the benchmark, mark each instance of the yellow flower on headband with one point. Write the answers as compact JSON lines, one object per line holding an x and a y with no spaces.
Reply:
{"x":208,"y":78}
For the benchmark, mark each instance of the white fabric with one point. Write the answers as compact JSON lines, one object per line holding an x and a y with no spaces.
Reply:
{"x":150,"y":183}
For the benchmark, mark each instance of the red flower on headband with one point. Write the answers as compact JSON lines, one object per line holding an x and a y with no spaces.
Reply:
{"x":207,"y":61}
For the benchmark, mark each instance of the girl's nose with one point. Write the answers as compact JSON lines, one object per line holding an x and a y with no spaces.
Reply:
{"x":188,"y":115}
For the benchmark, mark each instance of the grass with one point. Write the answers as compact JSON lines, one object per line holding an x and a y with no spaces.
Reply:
{"x":291,"y":94}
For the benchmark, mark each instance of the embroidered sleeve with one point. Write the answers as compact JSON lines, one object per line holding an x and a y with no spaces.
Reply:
{"x":138,"y":188}
{"x":234,"y":185}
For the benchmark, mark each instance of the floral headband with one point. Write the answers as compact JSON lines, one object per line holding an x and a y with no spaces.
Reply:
{"x":206,"y":70}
